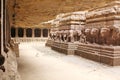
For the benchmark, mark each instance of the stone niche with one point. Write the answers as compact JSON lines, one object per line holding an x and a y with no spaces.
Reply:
{"x":103,"y":40}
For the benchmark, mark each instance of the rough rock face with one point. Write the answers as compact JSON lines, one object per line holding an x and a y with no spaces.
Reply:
{"x":32,"y":12}
{"x":11,"y":72}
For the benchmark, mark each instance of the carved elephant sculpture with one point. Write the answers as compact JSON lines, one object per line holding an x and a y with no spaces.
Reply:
{"x":65,"y":35}
{"x":105,"y":35}
{"x":95,"y":35}
{"x":116,"y":36}
{"x":72,"y":35}
{"x":87,"y":33}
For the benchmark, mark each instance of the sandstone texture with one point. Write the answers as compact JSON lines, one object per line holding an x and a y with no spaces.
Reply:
{"x":11,"y":68}
{"x":32,"y":12}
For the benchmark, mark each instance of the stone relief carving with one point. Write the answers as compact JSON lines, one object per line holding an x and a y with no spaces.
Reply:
{"x":94,"y":26}
{"x":103,"y":35}
{"x":103,"y":11}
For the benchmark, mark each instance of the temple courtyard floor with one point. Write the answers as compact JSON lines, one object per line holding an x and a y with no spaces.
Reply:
{"x":37,"y":62}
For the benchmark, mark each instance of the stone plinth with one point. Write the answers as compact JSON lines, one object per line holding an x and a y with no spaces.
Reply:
{"x":66,"y":48}
{"x":105,"y":16}
{"x":109,"y":55}
{"x":49,"y":43}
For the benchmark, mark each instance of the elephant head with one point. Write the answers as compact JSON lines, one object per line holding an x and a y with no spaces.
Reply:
{"x":94,"y":32}
{"x":116,"y":36}
{"x":87,"y":33}
{"x":105,"y":34}
{"x":95,"y":35}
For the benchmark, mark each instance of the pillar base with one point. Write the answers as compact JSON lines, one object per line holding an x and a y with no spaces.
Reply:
{"x":66,"y":48}
{"x":109,"y":55}
{"x":49,"y":43}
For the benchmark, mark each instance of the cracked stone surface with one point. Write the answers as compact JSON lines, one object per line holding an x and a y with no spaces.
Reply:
{"x":38,"y":62}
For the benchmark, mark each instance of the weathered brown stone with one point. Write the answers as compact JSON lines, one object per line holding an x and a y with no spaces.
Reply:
{"x":66,"y":48}
{"x":104,"y":54}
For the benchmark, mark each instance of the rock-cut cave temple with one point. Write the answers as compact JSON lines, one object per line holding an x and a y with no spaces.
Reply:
{"x":60,"y":40}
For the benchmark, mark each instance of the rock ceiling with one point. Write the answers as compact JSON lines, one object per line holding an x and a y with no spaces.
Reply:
{"x":33,"y":12}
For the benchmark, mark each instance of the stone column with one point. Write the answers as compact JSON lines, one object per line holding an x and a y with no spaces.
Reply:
{"x":42,"y":33}
{"x":16,"y":32}
{"x":33,"y":34}
{"x":24,"y":33}
{"x":48,"y":33}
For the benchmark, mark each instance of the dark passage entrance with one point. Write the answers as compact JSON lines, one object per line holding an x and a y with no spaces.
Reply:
{"x":20,"y":32}
{"x":37,"y":32}
{"x":45,"y":32}
{"x":29,"y":32}
{"x":13,"y":32}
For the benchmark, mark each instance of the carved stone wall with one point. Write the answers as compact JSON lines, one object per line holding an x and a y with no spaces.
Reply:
{"x":104,"y":18}
{"x":8,"y":68}
{"x":99,"y":37}
{"x":107,"y":15}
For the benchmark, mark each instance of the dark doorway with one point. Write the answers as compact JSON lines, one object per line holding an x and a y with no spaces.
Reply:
{"x":45,"y":32}
{"x":20,"y":32}
{"x":37,"y":32}
{"x":29,"y":32}
{"x":13,"y":32}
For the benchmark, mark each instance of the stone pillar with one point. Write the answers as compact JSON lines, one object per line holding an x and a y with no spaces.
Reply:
{"x":41,"y":32}
{"x":16,"y":34}
{"x":48,"y":32}
{"x":33,"y":32}
{"x":24,"y":32}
